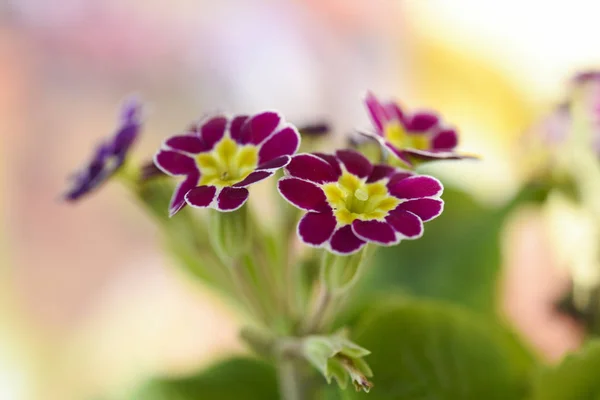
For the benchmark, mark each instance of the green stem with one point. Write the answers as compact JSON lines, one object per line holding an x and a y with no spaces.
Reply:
{"x":290,"y":380}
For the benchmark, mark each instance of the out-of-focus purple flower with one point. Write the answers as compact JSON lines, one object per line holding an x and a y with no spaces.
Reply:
{"x":412,"y":138}
{"x":350,"y":201}
{"x":220,"y":157}
{"x":316,"y":129}
{"x":111,"y":154}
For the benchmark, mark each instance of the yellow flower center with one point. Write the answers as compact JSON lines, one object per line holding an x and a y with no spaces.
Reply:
{"x":351,"y":198}
{"x":227,"y":164}
{"x":395,"y":133}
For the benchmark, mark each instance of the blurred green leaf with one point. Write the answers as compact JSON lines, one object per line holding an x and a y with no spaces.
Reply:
{"x":575,"y":378}
{"x":429,"y":350}
{"x":233,"y":379}
{"x":457,"y":259}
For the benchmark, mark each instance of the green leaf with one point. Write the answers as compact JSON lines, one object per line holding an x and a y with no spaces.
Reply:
{"x":575,"y":378}
{"x":233,"y":379}
{"x":457,"y":260}
{"x":426,"y":350}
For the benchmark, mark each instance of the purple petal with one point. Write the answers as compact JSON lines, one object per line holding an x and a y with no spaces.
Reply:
{"x":174,"y":163}
{"x":446,"y":139}
{"x":213,"y":130}
{"x":381,"y":171}
{"x":420,"y":156}
{"x":376,"y":111}
{"x":331,"y":160}
{"x":201,"y":196}
{"x":406,"y":223}
{"x":344,"y":241}
{"x":415,"y":187}
{"x":355,"y":163}
{"x":230,"y":199}
{"x":303,"y":194}
{"x":317,"y":129}
{"x":282,"y":143}
{"x":262,"y":125}
{"x":422,"y":121}
{"x":237,"y":131}
{"x":316,"y":228}
{"x":375,"y":231}
{"x":254,"y":177}
{"x":312,"y":168}
{"x":178,"y":199}
{"x":275,"y":163}
{"x":394,"y":112}
{"x":398,"y":176}
{"x":186,"y":143}
{"x":426,"y":209}
{"x":131,"y":110}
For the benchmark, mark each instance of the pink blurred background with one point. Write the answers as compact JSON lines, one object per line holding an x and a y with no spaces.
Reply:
{"x":86,"y":294}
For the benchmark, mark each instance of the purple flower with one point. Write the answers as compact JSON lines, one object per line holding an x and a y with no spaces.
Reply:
{"x":316,"y":129}
{"x":220,"y":157}
{"x":111,"y":154}
{"x":411,"y":138}
{"x":351,"y":202}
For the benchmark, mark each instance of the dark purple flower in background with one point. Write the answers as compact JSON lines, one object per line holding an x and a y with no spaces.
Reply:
{"x":111,"y":154}
{"x":412,"y":138}
{"x":220,"y":157}
{"x":315,"y":129}
{"x":350,"y":201}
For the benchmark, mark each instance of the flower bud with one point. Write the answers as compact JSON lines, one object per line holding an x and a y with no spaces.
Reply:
{"x":337,"y":357}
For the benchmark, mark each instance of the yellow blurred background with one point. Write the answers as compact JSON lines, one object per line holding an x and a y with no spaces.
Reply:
{"x":87,"y":298}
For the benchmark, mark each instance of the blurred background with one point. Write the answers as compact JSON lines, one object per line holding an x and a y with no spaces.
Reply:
{"x":88,"y":305}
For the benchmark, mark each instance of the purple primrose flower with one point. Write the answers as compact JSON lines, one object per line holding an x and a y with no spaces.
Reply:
{"x":351,"y":202}
{"x":111,"y":154}
{"x":220,"y":157}
{"x":411,"y":138}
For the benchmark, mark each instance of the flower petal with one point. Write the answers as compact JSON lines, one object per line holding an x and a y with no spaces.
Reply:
{"x":230,"y":199}
{"x":445,"y":139}
{"x":283,"y":143}
{"x":330,"y":158}
{"x":178,"y":199}
{"x":201,"y":196}
{"x":375,"y":231}
{"x":213,"y":130}
{"x":422,"y":121}
{"x":186,"y":143}
{"x":275,"y":163}
{"x":376,"y":111}
{"x":381,"y":171}
{"x":394,"y":112}
{"x":426,"y":209}
{"x":174,"y":163}
{"x":420,"y":156}
{"x":237,"y":131}
{"x":303,"y":194}
{"x":415,"y":187}
{"x":262,"y":125}
{"x":312,"y":168}
{"x":344,"y":241}
{"x":254,"y":177}
{"x":406,"y":223}
{"x":355,"y":163}
{"x":315,"y":229}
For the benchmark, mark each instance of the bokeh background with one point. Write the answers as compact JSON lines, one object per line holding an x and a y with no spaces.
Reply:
{"x":88,"y":302}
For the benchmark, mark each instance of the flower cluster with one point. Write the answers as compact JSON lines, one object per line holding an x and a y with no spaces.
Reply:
{"x":221,"y":156}
{"x":351,"y":202}
{"x":348,"y":202}
{"x":110,"y":155}
{"x":411,"y":138}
